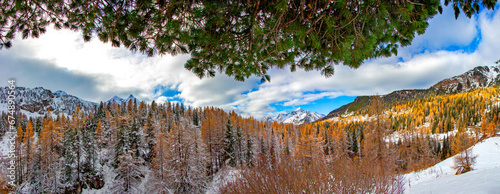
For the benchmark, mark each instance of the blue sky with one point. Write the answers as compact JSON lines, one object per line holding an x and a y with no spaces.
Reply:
{"x":60,"y":60}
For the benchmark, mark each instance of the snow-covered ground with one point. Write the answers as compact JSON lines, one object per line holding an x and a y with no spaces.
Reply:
{"x":224,"y":176}
{"x":441,"y":177}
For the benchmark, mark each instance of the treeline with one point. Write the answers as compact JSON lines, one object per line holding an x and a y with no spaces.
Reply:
{"x":163,"y":148}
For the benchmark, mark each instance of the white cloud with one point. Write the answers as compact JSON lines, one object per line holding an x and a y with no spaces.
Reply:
{"x":443,"y":31}
{"x":161,"y":99}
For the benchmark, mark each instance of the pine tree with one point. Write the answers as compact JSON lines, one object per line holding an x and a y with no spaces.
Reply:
{"x":148,"y":139}
{"x":229,"y":144}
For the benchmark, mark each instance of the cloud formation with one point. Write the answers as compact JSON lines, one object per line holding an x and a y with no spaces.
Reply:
{"x":60,"y":60}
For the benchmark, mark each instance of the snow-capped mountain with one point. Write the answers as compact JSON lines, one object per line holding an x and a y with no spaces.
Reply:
{"x":36,"y":101}
{"x":297,"y":117}
{"x":119,"y":100}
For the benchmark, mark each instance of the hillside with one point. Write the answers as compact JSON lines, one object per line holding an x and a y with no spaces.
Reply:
{"x":481,"y":76}
{"x":440,"y":178}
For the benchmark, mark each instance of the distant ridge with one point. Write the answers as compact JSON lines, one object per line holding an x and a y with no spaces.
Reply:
{"x":38,"y":100}
{"x":478,"y":77}
{"x":296,"y":117}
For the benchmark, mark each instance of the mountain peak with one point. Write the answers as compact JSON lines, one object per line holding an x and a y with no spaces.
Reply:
{"x":298,"y":116}
{"x":60,"y":93}
{"x":119,"y":100}
{"x":115,"y":99}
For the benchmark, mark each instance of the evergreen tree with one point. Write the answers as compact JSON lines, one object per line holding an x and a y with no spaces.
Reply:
{"x":240,"y":38}
{"x":229,"y":144}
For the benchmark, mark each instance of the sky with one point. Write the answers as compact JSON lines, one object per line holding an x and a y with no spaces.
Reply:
{"x":96,"y":71}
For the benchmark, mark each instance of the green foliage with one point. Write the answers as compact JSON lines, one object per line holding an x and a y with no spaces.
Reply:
{"x":239,"y":38}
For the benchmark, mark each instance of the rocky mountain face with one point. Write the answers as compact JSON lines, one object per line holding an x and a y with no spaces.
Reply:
{"x":296,"y":117}
{"x":38,"y":100}
{"x":481,"y":76}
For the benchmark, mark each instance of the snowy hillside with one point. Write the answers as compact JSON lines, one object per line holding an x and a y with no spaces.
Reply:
{"x":441,"y":177}
{"x":36,"y":101}
{"x":298,"y":116}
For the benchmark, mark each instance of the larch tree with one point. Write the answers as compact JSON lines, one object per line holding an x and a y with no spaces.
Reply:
{"x":100,"y":135}
{"x":20,"y":159}
{"x":465,"y":158}
{"x":29,"y":149}
{"x":50,"y":142}
{"x":212,"y":135}
{"x":158,"y":182}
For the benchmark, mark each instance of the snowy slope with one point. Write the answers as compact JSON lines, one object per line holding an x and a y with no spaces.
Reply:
{"x":441,"y":177}
{"x":36,"y":101}
{"x":298,"y":116}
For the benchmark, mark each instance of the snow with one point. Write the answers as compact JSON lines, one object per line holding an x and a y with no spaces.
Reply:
{"x":5,"y":145}
{"x":60,"y":93}
{"x":224,"y":176}
{"x":441,"y":177}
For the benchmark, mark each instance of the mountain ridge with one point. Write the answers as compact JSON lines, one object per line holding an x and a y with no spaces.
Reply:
{"x":38,"y":100}
{"x":478,"y":77}
{"x":296,"y":117}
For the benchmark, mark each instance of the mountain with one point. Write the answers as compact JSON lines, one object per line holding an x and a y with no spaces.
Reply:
{"x":481,"y":76}
{"x":296,"y":117}
{"x":36,"y":101}
{"x":119,"y":100}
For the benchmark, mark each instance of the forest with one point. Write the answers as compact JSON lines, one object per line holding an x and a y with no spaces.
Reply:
{"x":136,"y":147}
